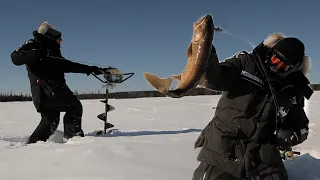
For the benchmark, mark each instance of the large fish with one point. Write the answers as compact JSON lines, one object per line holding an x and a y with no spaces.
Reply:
{"x":198,"y":53}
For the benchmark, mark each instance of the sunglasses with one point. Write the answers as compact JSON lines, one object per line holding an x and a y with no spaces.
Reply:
{"x":279,"y":64}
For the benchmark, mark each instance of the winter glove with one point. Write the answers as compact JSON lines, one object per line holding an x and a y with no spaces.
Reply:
{"x":286,"y":139}
{"x":213,"y":50}
{"x":213,"y":59}
{"x":95,"y":70}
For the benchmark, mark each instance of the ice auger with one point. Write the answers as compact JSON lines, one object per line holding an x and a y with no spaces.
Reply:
{"x":111,"y":77}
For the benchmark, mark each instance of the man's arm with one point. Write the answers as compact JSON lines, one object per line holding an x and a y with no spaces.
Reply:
{"x":73,"y":67}
{"x":27,"y":53}
{"x":222,"y":76}
{"x":295,"y":129}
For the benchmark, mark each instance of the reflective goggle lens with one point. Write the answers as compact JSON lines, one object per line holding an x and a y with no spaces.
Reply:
{"x":279,"y":65}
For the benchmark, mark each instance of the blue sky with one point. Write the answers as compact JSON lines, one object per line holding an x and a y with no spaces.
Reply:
{"x":138,"y":36}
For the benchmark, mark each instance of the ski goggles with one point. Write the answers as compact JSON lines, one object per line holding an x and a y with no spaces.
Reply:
{"x":278,"y":64}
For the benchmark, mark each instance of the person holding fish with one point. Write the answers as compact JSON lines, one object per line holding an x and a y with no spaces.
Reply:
{"x":260,"y":112}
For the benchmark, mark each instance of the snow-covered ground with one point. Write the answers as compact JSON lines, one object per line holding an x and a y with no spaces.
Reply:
{"x":155,"y":141}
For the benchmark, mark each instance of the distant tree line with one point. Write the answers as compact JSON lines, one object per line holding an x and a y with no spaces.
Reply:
{"x":10,"y":97}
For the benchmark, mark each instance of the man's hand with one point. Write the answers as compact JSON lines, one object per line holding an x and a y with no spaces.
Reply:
{"x":287,"y":139}
{"x":95,"y":70}
{"x":284,"y":139}
{"x":213,"y":50}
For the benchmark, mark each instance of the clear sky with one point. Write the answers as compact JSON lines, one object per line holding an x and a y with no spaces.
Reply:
{"x":146,"y":35}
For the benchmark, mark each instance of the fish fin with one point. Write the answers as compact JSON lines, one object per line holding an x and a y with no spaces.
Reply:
{"x":177,"y":77}
{"x":160,"y":84}
{"x":189,"y":52}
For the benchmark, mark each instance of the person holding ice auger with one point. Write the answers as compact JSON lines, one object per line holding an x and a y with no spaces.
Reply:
{"x":51,"y":95}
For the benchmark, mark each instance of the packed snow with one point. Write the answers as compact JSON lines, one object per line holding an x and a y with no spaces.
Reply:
{"x":154,"y":141}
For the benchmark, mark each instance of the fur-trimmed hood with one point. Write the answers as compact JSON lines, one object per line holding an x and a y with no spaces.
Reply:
{"x":274,"y":38}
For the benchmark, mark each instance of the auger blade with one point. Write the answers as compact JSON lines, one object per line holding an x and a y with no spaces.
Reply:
{"x":102,"y":116}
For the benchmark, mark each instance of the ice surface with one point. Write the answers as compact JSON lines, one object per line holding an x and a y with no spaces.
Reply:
{"x":154,"y":141}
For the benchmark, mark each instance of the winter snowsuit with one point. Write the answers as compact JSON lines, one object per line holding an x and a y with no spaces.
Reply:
{"x":49,"y":90}
{"x":239,"y":142}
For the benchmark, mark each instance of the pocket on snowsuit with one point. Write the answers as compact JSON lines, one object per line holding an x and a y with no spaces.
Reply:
{"x":222,"y":151}
{"x":201,"y":139}
{"x":221,"y":143}
{"x":235,"y":117}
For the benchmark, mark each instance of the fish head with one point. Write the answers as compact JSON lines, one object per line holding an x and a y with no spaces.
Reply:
{"x":201,"y":27}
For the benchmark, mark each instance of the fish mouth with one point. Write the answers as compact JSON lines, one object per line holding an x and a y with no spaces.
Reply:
{"x":204,"y":22}
{"x":203,"y":19}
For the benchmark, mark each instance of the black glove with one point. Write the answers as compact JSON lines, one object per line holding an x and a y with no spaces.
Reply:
{"x":283,"y":139}
{"x":95,"y":70}
{"x":213,"y":50}
{"x":286,"y":139}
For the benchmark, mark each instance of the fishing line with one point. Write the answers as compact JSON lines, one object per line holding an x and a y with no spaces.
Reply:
{"x":238,"y":37}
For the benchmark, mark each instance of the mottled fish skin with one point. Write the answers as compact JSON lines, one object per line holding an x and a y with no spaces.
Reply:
{"x":198,"y":53}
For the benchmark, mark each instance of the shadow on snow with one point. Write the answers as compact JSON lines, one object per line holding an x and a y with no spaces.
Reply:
{"x":117,"y":133}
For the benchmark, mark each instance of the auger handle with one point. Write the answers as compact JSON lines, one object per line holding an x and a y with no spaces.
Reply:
{"x":106,"y":74}
{"x":98,"y":78}
{"x":129,"y":76}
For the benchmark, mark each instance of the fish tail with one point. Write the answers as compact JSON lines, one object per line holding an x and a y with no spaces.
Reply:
{"x":160,"y":84}
{"x":177,"y":77}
